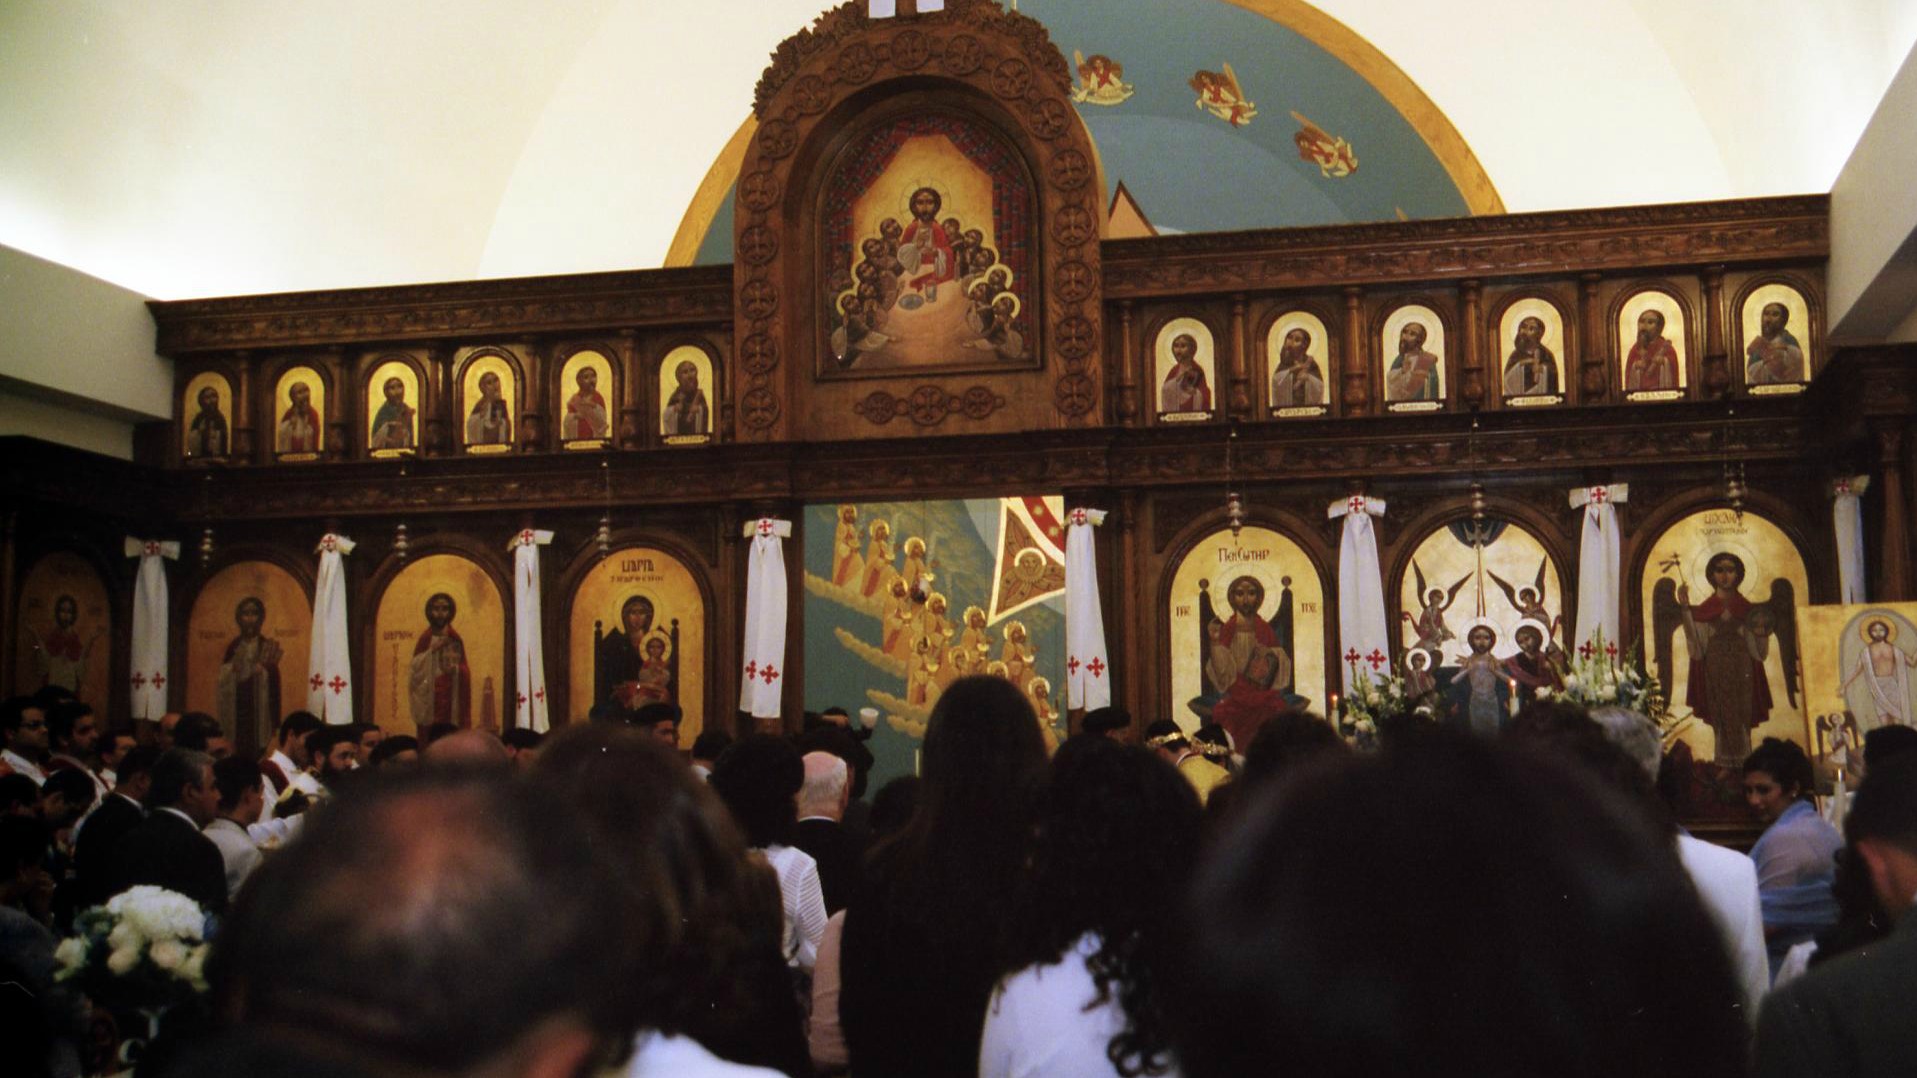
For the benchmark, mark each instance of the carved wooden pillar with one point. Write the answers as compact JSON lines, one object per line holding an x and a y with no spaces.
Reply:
{"x":532,"y":421}
{"x":1594,"y":380}
{"x":1240,"y":390}
{"x":1471,"y":386}
{"x":1127,"y":366}
{"x":1353,"y":397}
{"x":1894,"y":549}
{"x":244,"y":408}
{"x":1125,"y":615}
{"x":631,"y":402}
{"x":1716,"y":375}
{"x":340,"y":407}
{"x":436,"y":401}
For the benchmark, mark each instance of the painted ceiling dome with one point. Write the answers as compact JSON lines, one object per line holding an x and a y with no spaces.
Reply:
{"x":1223,"y":116}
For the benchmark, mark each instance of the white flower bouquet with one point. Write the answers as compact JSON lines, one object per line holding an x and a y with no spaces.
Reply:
{"x":1600,"y":676}
{"x":145,"y":948}
{"x":1377,"y":703}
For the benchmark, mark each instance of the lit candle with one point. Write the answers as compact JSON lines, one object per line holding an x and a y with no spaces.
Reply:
{"x":1334,"y":705}
{"x":1513,"y":683}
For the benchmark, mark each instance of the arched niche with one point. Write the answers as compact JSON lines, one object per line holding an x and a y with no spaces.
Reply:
{"x":248,"y":637}
{"x":65,"y":629}
{"x":1725,"y":656}
{"x":430,"y":663}
{"x":637,"y":634}
{"x":1246,"y":619}
{"x":851,"y":77}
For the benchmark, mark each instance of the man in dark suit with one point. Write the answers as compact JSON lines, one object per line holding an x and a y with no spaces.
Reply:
{"x":167,"y":848}
{"x":117,"y":813}
{"x":821,"y":830}
{"x":1851,"y":1016}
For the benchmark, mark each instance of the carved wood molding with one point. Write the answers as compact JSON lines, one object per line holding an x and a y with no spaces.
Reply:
{"x":973,"y":57}
{"x":517,"y":306}
{"x":1632,"y":238}
{"x":927,"y":406}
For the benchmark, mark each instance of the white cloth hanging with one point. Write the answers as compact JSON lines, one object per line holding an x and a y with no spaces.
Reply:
{"x":1362,"y":628}
{"x":1847,"y":516}
{"x":763,"y":676}
{"x":329,"y":686}
{"x":1088,"y":682}
{"x":529,"y":648}
{"x":146,"y":675}
{"x":1600,"y":576}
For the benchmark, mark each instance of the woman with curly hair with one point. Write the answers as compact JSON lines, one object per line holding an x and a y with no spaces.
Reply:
{"x":1118,"y":832}
{"x":921,"y":944}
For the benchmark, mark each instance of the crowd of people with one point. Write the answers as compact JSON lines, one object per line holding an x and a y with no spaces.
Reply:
{"x":1138,"y":901}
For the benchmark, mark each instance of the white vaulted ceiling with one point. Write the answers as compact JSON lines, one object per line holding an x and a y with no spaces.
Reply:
{"x":206,"y":147}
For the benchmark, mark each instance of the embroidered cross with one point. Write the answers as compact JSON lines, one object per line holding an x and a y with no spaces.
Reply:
{"x":1599,"y":495}
{"x":338,"y":683}
{"x":752,"y":669}
{"x":329,"y":544}
{"x":1585,"y":651}
{"x":1610,"y":650}
{"x":1376,"y":658}
{"x":151,"y":548}
{"x":1096,"y":667}
{"x":1352,"y":656}
{"x":159,"y":680}
{"x":1080,"y":516}
{"x":526,"y":537}
{"x":1843,"y":486}
{"x":1071,"y":666}
{"x":540,"y":694}
{"x":520,"y":699}
{"x":770,"y":674}
{"x":319,"y":681}
{"x":765,"y":527}
{"x":139,"y":680}
{"x":1356,"y":504}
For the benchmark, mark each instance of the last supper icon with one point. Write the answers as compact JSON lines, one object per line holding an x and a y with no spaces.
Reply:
{"x":927,"y":251}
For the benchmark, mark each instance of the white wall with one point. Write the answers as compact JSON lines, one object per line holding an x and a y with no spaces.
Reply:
{"x":76,"y":357}
{"x":1872,"y":279}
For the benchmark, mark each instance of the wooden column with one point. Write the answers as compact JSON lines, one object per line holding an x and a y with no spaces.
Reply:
{"x":1127,"y":367}
{"x":1716,"y":375}
{"x":533,"y":435}
{"x":1240,"y":390}
{"x":631,"y":400}
{"x":1893,"y":560}
{"x":1594,"y":367}
{"x":1354,"y":397}
{"x":340,"y":406}
{"x":1123,"y":617}
{"x":245,"y":408}
{"x":436,"y":402}
{"x":1471,"y":386}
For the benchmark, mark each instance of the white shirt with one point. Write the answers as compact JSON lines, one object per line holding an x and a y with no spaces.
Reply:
{"x":656,"y":1055}
{"x":804,"y":903}
{"x":295,"y":777}
{"x":1727,"y":882}
{"x":1037,"y":1024}
{"x":237,"y":849}
{"x":24,"y":766}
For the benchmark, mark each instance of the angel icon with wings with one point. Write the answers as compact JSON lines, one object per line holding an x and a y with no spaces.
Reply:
{"x":1728,"y":638}
{"x":1219,"y":94}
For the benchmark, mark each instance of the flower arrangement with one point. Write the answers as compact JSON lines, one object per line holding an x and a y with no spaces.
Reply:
{"x":145,"y":948}
{"x":1599,"y":676}
{"x":1378,"y":703}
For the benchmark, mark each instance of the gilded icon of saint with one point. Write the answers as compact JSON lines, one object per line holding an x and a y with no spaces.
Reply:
{"x":1185,"y":388}
{"x":585,"y":417}
{"x":1774,"y":356}
{"x":1728,"y":638}
{"x":1298,"y":380}
{"x":249,"y":681}
{"x":490,"y":422}
{"x":1413,"y":374}
{"x":439,"y":683}
{"x":1883,"y":669}
{"x":206,"y":436}
{"x":1532,"y":369}
{"x":299,"y":426}
{"x":1652,"y":363}
{"x":60,"y":654}
{"x":393,"y":421}
{"x":685,"y":411}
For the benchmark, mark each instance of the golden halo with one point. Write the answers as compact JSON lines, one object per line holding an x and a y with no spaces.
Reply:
{"x":1872,"y":617}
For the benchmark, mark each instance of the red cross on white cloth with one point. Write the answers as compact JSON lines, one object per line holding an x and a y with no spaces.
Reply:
{"x":150,"y":548}
{"x":139,"y":680}
{"x":159,"y":680}
{"x":1356,"y":504}
{"x":1095,"y":668}
{"x":1599,"y":495}
{"x":338,"y":684}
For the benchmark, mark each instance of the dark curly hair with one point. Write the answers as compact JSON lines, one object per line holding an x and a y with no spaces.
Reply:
{"x":1784,"y":761}
{"x":1118,"y":832}
{"x":757,"y":778}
